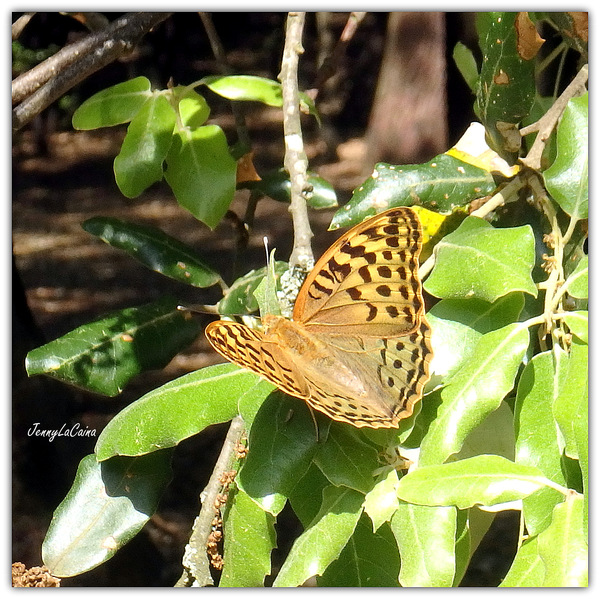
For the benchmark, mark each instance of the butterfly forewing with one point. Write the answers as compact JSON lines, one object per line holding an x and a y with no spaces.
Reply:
{"x":367,"y":283}
{"x":248,"y":348}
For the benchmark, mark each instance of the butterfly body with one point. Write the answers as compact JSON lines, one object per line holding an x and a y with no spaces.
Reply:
{"x":358,"y":345}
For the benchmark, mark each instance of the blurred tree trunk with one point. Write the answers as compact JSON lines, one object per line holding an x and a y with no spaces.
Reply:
{"x":408,"y":121}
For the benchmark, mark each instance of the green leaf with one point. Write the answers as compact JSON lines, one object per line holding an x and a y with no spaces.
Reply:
{"x":538,"y":443}
{"x":577,"y":282}
{"x":474,"y":391}
{"x":570,"y":405}
{"x":442,"y":184}
{"x":249,"y":539}
{"x":527,"y":569}
{"x":495,"y":435}
{"x":149,"y":137}
{"x":480,"y":315}
{"x":239,"y":298}
{"x":426,"y":537}
{"x":155,"y":249}
{"x":457,"y":325}
{"x":381,"y":502}
{"x":113,"y":106}
{"x":282,"y":443}
{"x":563,"y":548}
{"x":481,"y":480}
{"x":193,"y":108}
{"x":506,"y":90}
{"x":480,"y":261}
{"x":369,"y":559}
{"x":580,"y":431}
{"x":323,"y":541}
{"x":102,"y":356}
{"x":345,"y":459}
{"x":107,"y":505}
{"x":578,"y":324}
{"x":266,"y":291}
{"x":201,"y":173}
{"x":245,"y":88}
{"x":180,"y":409}
{"x":567,"y":178}
{"x":276,"y":185}
{"x":466,"y":64}
{"x":307,"y":495}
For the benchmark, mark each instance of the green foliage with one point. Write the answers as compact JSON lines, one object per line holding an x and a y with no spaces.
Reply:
{"x":567,"y":178}
{"x":276,"y":185}
{"x":442,"y":184}
{"x":104,"y":355}
{"x":155,"y":249}
{"x":480,"y":261}
{"x":506,"y":90}
{"x":107,"y":506}
{"x":503,"y":423}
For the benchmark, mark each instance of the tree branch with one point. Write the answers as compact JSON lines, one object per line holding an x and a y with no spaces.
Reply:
{"x":39,"y":87}
{"x":546,"y":124}
{"x":195,"y":560}
{"x":295,"y":160}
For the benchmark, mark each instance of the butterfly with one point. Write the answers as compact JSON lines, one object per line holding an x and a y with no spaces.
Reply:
{"x":358,"y":346}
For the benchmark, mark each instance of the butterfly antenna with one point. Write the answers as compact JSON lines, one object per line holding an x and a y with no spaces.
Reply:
{"x":266,"y":244}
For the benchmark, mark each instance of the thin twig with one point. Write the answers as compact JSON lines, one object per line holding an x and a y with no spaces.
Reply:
{"x":195,"y":559}
{"x":225,"y":67}
{"x":546,"y":124}
{"x":48,"y":81}
{"x":329,"y":64}
{"x":20,"y":24}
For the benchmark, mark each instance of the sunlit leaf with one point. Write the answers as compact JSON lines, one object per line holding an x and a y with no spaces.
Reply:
{"x":107,"y":505}
{"x":426,"y":537}
{"x":104,"y":355}
{"x":538,"y":443}
{"x":180,"y":409}
{"x":481,"y":480}
{"x":563,"y":548}
{"x":144,"y":149}
{"x":323,"y":541}
{"x":249,"y":539}
{"x":113,"y":105}
{"x":475,"y":390}
{"x":478,"y":260}
{"x":567,"y":178}
{"x":201,"y":172}
{"x":442,"y":184}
